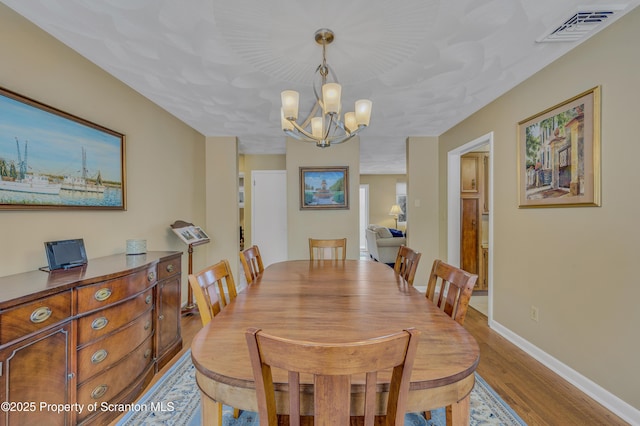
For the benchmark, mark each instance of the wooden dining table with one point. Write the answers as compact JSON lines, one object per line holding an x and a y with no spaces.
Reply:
{"x":334,"y":302}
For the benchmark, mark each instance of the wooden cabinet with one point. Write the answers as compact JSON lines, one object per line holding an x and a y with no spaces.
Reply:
{"x":474,"y":206}
{"x":485,"y":184}
{"x":483,"y":275}
{"x":38,"y":369}
{"x":168,"y":300}
{"x":470,"y":173}
{"x":470,"y":235}
{"x":94,"y":334}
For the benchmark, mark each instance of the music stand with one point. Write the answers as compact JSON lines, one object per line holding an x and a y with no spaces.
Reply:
{"x":192,"y":236}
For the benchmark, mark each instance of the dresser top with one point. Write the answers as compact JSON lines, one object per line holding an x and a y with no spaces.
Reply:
{"x":26,"y":286}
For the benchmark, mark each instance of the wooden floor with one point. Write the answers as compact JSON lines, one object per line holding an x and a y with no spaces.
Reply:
{"x":539,"y":396}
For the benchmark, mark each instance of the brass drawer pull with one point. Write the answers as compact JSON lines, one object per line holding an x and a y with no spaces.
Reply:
{"x":161,"y":317}
{"x":99,"y":323}
{"x":147,"y":353}
{"x":151,"y":276}
{"x":170,"y":267}
{"x":99,"y":391}
{"x":147,"y":325}
{"x":40,"y":315}
{"x":99,"y":356}
{"x":148,"y":299}
{"x":102,"y":294}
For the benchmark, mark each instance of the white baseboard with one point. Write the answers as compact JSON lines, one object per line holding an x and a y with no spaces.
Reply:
{"x":614,"y":404}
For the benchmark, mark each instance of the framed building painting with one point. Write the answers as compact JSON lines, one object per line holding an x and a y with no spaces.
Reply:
{"x":559,"y":154}
{"x":50,"y":159}
{"x":323,"y":188}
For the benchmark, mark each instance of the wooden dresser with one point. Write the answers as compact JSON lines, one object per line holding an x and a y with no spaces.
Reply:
{"x":75,"y":342}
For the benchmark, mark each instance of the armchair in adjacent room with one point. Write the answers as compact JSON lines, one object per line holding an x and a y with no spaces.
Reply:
{"x":382,"y":245}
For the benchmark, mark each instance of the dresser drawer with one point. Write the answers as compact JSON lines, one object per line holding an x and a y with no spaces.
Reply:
{"x":111,"y":319}
{"x":106,"y":293}
{"x":105,"y":352}
{"x":23,"y":319}
{"x":109,"y":384}
{"x":169,"y":267}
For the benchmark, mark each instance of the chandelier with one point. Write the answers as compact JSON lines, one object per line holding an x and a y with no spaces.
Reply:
{"x":324,"y":124}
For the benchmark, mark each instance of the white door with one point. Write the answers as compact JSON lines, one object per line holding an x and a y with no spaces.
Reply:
{"x":269,"y":214}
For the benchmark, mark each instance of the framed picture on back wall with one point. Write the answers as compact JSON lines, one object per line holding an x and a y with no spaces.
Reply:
{"x":324,"y":188}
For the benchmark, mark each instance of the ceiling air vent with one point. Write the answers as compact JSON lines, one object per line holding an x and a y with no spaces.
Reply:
{"x":579,"y":25}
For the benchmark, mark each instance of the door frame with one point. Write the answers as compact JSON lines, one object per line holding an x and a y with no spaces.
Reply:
{"x":453,"y":207}
{"x":364,"y":210}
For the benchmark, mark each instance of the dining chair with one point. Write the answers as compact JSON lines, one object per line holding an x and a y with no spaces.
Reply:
{"x":251,"y":263}
{"x":319,"y":247}
{"x":455,"y":287}
{"x":407,"y":263}
{"x":332,"y":365}
{"x":213,"y":289}
{"x":211,"y":286}
{"x":450,"y":289}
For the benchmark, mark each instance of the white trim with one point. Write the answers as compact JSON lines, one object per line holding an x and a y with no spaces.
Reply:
{"x":364,"y":210}
{"x":453,"y":209}
{"x":614,"y":404}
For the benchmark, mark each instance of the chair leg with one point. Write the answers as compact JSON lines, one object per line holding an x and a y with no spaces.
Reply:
{"x":236,"y":413}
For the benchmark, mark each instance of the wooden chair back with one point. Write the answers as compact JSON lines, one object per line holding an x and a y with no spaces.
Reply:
{"x":332,"y":366}
{"x":319,"y":247}
{"x":455,"y":289}
{"x":206,"y":285}
{"x":251,"y":263}
{"x":407,"y":263}
{"x":213,"y":289}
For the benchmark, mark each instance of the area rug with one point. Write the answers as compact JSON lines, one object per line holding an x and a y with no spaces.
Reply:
{"x":175,"y":400}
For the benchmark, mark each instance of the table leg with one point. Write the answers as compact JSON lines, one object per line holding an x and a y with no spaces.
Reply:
{"x":211,"y":411}
{"x":458,"y":413}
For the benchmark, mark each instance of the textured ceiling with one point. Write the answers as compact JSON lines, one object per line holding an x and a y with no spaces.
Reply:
{"x":220,"y":65}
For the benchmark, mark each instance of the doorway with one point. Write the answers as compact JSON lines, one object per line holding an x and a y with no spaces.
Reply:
{"x":269,"y":214}
{"x":364,"y":215}
{"x":454,"y":209}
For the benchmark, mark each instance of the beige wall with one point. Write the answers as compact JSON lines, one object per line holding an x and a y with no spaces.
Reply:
{"x":422,"y":203}
{"x":165,"y":165}
{"x":250,"y":163}
{"x":222,"y":213}
{"x":382,"y":195}
{"x":577,"y":265}
{"x":305,"y":224}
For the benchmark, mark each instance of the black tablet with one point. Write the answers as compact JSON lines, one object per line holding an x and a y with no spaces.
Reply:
{"x":65,"y":254}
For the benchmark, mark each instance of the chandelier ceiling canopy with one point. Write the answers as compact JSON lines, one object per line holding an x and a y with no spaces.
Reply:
{"x":325,"y":123}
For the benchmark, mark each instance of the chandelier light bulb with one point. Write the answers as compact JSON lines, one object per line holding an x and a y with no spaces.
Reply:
{"x":317,"y":127}
{"x":331,"y":98}
{"x":290,"y":100}
{"x":363,"y":112}
{"x":350,"y":122}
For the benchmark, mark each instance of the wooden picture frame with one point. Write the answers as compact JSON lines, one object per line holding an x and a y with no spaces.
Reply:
{"x":559,"y":154}
{"x":324,"y":188}
{"x":50,"y":159}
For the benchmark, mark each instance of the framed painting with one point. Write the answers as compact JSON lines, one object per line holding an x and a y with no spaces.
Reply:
{"x":53,"y":160}
{"x":323,"y":188}
{"x":559,"y":154}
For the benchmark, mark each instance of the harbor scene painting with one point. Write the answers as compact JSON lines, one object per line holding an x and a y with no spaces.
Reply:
{"x":324,"y":188}
{"x":51,"y":159}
